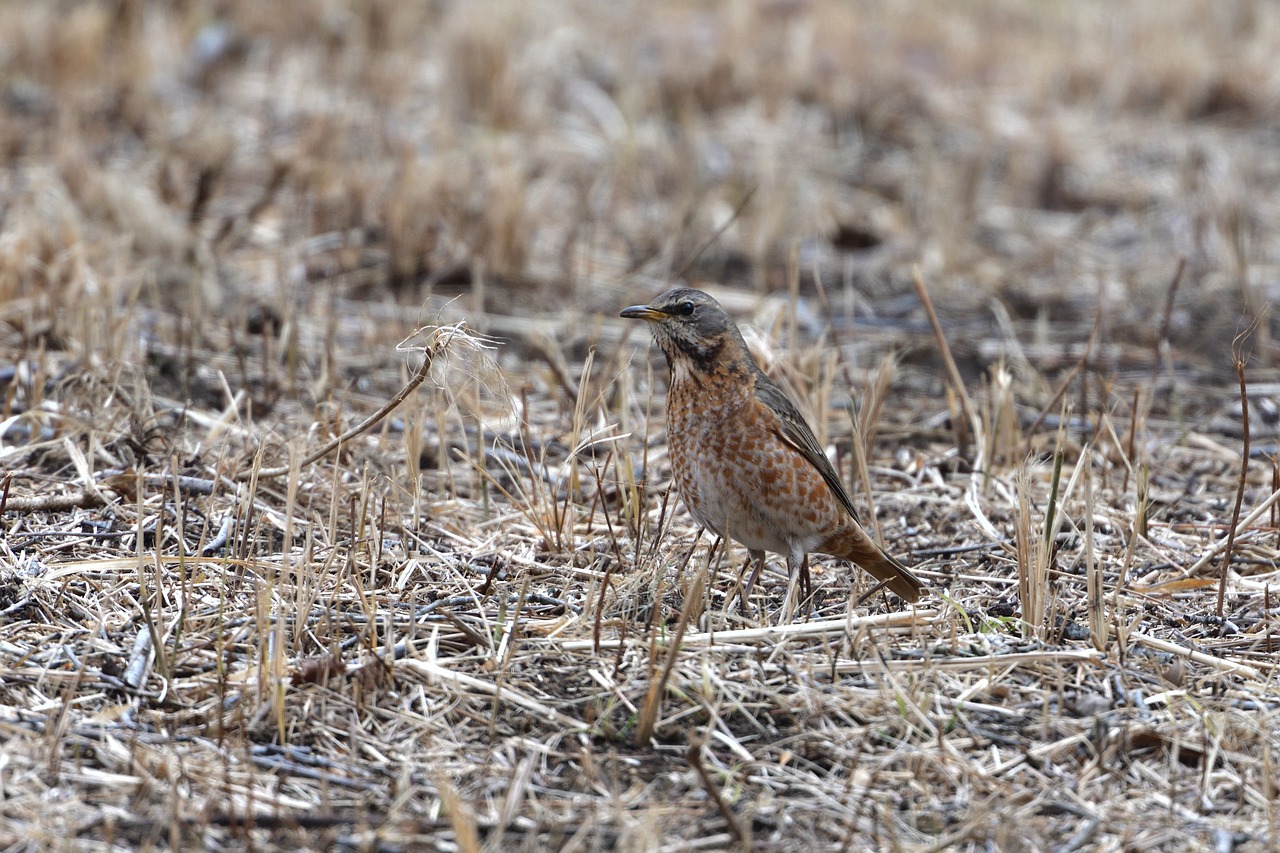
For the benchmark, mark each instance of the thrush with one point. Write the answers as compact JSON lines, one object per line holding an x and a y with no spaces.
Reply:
{"x":742,"y":456}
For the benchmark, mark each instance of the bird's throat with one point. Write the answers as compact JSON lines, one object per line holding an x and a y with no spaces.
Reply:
{"x":699,"y":357}
{"x":728,"y":381}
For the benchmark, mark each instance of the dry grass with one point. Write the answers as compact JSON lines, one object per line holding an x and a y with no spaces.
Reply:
{"x":229,"y":617}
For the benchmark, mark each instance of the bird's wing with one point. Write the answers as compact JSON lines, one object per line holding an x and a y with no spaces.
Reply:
{"x":794,"y":431}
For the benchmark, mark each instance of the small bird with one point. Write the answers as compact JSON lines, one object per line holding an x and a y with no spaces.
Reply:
{"x":742,"y":456}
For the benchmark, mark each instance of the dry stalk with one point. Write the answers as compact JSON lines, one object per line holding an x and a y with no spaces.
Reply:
{"x":83,"y":499}
{"x":465,"y":832}
{"x":546,"y":348}
{"x":1051,"y":515}
{"x":1095,"y":592}
{"x":694,"y":756}
{"x":1041,"y":660}
{"x":1275,"y":486}
{"x":1076,"y":370}
{"x":1166,"y":316}
{"x":1238,"y":359}
{"x":1130,"y":463}
{"x":1003,"y":419}
{"x":149,"y":592}
{"x":775,"y":635}
{"x":865,"y":418}
{"x":440,"y":339}
{"x":1266,"y":618}
{"x":711,"y":239}
{"x":859,"y":444}
{"x":433,"y":670}
{"x":1239,"y":529}
{"x":1029,"y":558}
{"x":1217,"y":663}
{"x":657,"y":686}
{"x":967,"y":421}
{"x":1142,"y":514}
{"x":865,"y":424}
{"x":1033,"y":567}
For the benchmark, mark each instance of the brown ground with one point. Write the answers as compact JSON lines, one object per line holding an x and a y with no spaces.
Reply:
{"x":218,"y":219}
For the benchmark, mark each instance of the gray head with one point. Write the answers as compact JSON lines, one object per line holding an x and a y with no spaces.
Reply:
{"x":691,"y":328}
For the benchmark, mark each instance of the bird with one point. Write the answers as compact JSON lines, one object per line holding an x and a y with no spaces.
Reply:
{"x":743,"y":458}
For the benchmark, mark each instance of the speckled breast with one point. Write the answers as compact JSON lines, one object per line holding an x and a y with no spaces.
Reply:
{"x":736,"y":475}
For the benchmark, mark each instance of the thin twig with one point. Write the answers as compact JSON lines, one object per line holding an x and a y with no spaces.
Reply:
{"x":706,"y":244}
{"x":1166,"y":317}
{"x":694,"y":756}
{"x":1192,"y":655}
{"x":653,"y":698}
{"x":1069,"y":378}
{"x":1238,"y":358}
{"x":953,"y":372}
{"x":440,"y":340}
{"x":772,"y":635}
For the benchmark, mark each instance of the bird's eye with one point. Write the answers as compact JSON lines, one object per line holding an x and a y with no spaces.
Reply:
{"x":685,"y":309}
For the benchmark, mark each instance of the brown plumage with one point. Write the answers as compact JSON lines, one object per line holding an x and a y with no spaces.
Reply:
{"x":742,"y":456}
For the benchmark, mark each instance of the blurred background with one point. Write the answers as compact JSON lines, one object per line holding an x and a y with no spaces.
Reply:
{"x":228,"y":167}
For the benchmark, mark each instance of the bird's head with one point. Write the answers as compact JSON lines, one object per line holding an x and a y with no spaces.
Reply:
{"x":690,"y":328}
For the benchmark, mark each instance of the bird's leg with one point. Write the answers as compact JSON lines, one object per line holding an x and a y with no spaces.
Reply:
{"x":740,"y":586}
{"x":799,"y":584}
{"x":745,"y":600}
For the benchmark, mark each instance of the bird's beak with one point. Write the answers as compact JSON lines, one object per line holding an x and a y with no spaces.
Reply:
{"x":642,"y":312}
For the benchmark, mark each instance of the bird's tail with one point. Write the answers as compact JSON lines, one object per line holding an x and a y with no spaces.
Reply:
{"x":857,"y":547}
